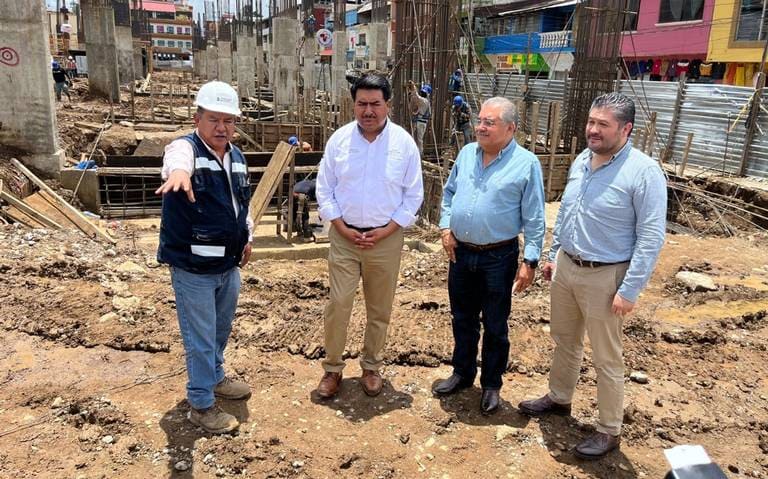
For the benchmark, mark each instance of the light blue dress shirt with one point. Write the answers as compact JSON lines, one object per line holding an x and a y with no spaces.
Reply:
{"x":613,"y":214}
{"x":484,"y":205}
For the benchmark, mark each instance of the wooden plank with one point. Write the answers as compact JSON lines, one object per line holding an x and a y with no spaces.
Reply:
{"x":27,"y":209}
{"x":19,"y":217}
{"x":555,"y":141}
{"x":685,"y":154}
{"x":156,"y":127}
{"x":40,"y":203}
{"x":268,"y":184}
{"x":68,"y":210}
{"x":248,"y":138}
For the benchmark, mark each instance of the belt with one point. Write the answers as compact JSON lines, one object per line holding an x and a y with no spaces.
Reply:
{"x":487,"y":247}
{"x":588,"y":264}
{"x":362,"y":230}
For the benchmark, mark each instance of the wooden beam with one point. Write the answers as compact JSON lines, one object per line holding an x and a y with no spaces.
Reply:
{"x":685,"y":154}
{"x":248,"y":138}
{"x":269,"y":182}
{"x":68,"y":210}
{"x":26,"y":209}
{"x":555,"y":140}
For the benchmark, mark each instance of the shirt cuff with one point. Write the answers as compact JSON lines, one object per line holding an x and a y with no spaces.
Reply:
{"x":629,"y":293}
{"x":445,"y":223}
{"x":403,"y":218}
{"x":329,"y":212}
{"x":553,"y":254}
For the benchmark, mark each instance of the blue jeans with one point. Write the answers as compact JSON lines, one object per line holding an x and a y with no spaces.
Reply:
{"x":481,"y":282}
{"x":205,"y":305}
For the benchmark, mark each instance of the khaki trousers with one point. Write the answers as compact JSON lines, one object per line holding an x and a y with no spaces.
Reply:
{"x":581,"y":298}
{"x":379,"y":268}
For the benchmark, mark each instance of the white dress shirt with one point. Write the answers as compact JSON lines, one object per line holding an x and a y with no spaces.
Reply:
{"x":367,"y":184}
{"x":179,"y":155}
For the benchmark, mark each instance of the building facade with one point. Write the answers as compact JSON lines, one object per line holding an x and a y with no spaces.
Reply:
{"x":170,"y":25}
{"x":738,"y":38}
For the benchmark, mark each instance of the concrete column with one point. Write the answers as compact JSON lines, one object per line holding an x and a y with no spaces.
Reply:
{"x":225,"y":61}
{"x":27,"y":115}
{"x":377,"y":50}
{"x":201,"y":68}
{"x":101,"y":49}
{"x":260,"y":67}
{"x":246,"y":66}
{"x":285,"y":62}
{"x":309,"y":52}
{"x":340,"y":86}
{"x":211,"y":63}
{"x":138,"y":63}
{"x":124,"y":54}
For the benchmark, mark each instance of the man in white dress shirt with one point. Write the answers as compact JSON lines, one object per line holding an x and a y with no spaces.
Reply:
{"x":369,"y":187}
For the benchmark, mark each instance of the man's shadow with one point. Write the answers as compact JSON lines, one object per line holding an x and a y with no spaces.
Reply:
{"x":355,"y":405}
{"x":464,"y":405}
{"x":182,"y":434}
{"x":562,"y":434}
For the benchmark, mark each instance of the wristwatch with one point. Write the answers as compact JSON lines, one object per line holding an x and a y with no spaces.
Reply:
{"x":532,"y":263}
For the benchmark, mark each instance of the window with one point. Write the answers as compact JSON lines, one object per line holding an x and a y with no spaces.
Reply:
{"x":189,"y":44}
{"x":187,"y":30}
{"x":632,"y":12}
{"x":680,"y":10}
{"x":161,"y":43}
{"x":361,"y":39}
{"x":171,"y":43}
{"x":179,"y":30}
{"x":753,"y":21}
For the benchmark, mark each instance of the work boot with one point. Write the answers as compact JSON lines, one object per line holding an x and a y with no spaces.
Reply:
{"x":489,"y":401}
{"x":329,"y":385}
{"x":213,"y":420}
{"x":597,"y":445}
{"x":371,"y":382}
{"x":231,"y":389}
{"x":453,"y":384}
{"x":543,"y":405}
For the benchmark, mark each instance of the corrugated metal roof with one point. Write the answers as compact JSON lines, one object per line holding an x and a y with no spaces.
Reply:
{"x":158,"y":6}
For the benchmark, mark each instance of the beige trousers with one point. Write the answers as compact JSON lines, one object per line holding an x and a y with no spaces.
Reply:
{"x":379,"y":268}
{"x":581,"y":299}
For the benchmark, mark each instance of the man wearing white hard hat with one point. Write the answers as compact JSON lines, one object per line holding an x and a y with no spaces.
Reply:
{"x":205,"y":235}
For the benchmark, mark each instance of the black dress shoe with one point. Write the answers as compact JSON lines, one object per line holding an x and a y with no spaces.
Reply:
{"x":489,"y":402}
{"x":451,"y":385}
{"x":544,"y":405}
{"x":597,"y":445}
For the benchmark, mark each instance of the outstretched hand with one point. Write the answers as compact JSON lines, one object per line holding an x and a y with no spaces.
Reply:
{"x":177,"y":180}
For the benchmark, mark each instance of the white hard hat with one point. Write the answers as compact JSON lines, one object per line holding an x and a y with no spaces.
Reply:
{"x":219,"y":97}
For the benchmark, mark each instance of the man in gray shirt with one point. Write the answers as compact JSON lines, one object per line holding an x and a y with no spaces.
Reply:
{"x":607,"y":238}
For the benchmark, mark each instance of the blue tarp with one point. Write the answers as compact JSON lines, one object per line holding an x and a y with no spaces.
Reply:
{"x":518,"y":43}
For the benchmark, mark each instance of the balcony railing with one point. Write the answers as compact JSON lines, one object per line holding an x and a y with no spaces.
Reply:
{"x":555,"y":40}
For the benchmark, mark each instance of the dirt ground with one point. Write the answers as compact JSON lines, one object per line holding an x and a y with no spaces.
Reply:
{"x":91,"y":368}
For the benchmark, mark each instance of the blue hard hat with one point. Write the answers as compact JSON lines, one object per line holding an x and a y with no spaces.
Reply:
{"x":458,"y":100}
{"x":293,"y":141}
{"x":426,"y":88}
{"x":54,"y":64}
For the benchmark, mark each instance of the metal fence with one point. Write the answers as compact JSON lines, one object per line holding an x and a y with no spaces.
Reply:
{"x":716,"y":115}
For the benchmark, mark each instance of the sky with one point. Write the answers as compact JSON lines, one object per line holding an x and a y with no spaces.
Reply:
{"x":197,"y":5}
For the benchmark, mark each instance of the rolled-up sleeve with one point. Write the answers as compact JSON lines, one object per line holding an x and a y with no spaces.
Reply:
{"x":532,"y":209}
{"x":327,"y":206}
{"x":179,"y":155}
{"x":650,"y":203}
{"x":449,"y":189}
{"x":413,"y":191}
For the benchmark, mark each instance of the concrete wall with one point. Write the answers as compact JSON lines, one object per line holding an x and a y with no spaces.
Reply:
{"x":285,"y":62}
{"x":225,"y":62}
{"x":101,"y":50}
{"x":201,"y":67}
{"x":261,"y":70}
{"x":246,"y":66}
{"x":124,"y":54}
{"x":138,"y":64}
{"x":211,"y":63}
{"x":27,"y":116}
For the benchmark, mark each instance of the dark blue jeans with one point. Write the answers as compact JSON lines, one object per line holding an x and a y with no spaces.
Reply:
{"x":480,"y":290}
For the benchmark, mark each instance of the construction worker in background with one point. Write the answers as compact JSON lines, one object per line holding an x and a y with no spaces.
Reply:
{"x":421,"y":112}
{"x":205,"y":234}
{"x":456,"y":81}
{"x":61,"y":81}
{"x":293,"y":141}
{"x":462,"y":120}
{"x":71,"y":67}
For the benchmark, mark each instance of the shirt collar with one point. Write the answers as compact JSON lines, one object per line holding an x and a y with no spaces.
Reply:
{"x":619,"y":155}
{"x":381,"y":133}
{"x":506,"y":151}
{"x":229,"y":146}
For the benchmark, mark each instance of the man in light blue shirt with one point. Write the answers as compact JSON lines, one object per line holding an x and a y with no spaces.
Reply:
{"x":607,"y":238}
{"x":494,"y":192}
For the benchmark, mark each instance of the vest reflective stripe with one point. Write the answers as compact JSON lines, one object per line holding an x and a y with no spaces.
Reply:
{"x":208,"y":251}
{"x":202,"y":162}
{"x":239,"y":168}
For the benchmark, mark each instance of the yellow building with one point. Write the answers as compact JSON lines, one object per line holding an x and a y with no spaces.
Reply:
{"x":738,"y":37}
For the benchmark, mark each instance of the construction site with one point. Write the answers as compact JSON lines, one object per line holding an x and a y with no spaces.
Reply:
{"x":92,"y":363}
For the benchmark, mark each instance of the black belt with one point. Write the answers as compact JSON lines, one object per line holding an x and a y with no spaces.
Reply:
{"x":421,"y":121}
{"x":589,"y":264}
{"x":487,"y":247}
{"x":362,"y":230}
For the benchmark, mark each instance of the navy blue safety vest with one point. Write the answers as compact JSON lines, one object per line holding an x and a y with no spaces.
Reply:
{"x":207,"y":236}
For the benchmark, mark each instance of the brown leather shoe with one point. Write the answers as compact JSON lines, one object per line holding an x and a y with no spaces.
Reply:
{"x":597,"y":445}
{"x":329,"y":385}
{"x":543,"y":405}
{"x":371,"y":382}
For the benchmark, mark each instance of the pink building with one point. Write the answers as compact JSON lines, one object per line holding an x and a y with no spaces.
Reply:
{"x":663,"y":32}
